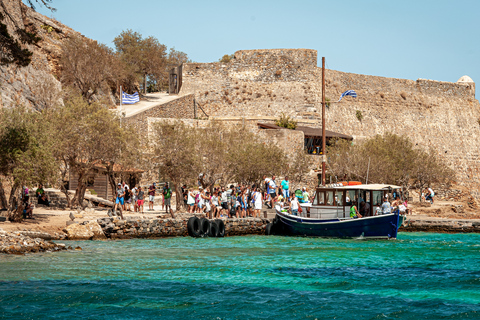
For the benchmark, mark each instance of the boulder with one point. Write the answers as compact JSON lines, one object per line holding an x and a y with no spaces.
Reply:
{"x":89,"y":231}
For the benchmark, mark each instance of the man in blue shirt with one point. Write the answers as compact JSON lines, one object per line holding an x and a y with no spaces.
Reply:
{"x":285,"y":188}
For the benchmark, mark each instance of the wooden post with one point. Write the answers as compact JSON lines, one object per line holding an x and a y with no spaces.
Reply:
{"x":265,"y":215}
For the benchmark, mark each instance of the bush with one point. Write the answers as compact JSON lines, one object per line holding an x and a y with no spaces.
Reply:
{"x":286,"y":122}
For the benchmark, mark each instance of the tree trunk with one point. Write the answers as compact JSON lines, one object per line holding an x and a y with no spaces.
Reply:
{"x":3,"y":198}
{"x":78,"y":197}
{"x":62,"y":186}
{"x":13,"y":203}
{"x":145,"y":84}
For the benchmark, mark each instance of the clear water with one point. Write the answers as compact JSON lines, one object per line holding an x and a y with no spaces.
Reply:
{"x":419,"y":276}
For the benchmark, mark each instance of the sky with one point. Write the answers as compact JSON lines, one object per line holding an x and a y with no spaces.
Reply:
{"x":408,"y":39}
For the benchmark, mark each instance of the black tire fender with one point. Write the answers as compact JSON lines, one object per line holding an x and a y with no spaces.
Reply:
{"x":221,"y":228}
{"x":269,"y":229}
{"x":204,"y":227}
{"x":193,"y":227}
{"x":213,"y":230}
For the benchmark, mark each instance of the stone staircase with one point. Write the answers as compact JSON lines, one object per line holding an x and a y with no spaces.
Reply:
{"x":57,"y":199}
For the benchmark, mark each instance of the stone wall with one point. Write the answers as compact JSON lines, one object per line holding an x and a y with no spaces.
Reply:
{"x":433,"y":114}
{"x":441,"y":225}
{"x":181,"y":108}
{"x":135,"y":227}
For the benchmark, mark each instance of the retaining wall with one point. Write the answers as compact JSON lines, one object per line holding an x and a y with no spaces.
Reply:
{"x":158,"y":228}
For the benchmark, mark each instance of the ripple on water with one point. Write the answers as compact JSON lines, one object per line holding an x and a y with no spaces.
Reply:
{"x":421,"y":275}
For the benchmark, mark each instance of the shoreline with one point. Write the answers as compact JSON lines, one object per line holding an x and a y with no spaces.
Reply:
{"x":93,"y":224}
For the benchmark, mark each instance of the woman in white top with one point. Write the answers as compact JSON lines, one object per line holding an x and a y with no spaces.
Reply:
{"x":190,"y":201}
{"x":258,"y":201}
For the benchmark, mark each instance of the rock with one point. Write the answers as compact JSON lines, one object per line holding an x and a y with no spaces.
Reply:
{"x":72,"y":216}
{"x":79,"y":216}
{"x":70,"y":223}
{"x":89,"y":231}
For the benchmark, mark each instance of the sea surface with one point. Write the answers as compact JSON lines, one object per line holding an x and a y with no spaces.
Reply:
{"x":418,"y":276}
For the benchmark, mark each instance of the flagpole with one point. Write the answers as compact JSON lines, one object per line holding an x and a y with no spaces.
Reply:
{"x":324,"y":158}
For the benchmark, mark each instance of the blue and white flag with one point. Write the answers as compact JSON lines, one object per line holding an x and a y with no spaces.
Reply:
{"x":130,"y":98}
{"x":348,"y":93}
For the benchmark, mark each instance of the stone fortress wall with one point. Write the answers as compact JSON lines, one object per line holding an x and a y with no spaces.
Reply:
{"x":441,"y":115}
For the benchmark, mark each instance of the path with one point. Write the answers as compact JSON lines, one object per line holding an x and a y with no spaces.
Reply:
{"x":148,"y":101}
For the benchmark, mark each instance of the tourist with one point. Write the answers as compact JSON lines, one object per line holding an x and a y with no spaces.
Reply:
{"x":429,"y":194}
{"x":285,"y":187}
{"x":199,"y":200}
{"x":151,"y":196}
{"x":185,"y":195}
{"x":25,"y":194}
{"x":128,"y":199}
{"x":306,"y":195}
{"x":27,"y":211}
{"x":140,"y":199}
{"x":119,"y":199}
{"x":272,"y":189}
{"x":258,"y":201}
{"x":42,"y":196}
{"x":294,"y":205}
{"x":386,"y":208}
{"x":224,"y":201}
{"x":134,"y":198}
{"x":215,"y":204}
{"x":354,"y":214}
{"x":405,"y":204}
{"x":208,"y":204}
{"x":190,"y":201}
{"x":167,"y":196}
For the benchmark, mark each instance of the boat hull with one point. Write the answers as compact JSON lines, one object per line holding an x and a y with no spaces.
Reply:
{"x":384,"y":227}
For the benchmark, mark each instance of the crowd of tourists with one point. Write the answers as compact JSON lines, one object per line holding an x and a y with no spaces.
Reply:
{"x":243,"y":201}
{"x":133,"y":199}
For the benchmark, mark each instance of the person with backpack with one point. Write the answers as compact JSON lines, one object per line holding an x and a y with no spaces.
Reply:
{"x":167,"y":196}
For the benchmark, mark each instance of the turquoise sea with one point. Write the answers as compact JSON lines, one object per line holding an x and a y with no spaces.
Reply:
{"x":418,"y":276}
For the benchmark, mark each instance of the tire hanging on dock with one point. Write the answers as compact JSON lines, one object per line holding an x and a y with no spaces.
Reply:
{"x":213,"y":229}
{"x":204,"y":227}
{"x":194,"y":227}
{"x":269,"y":229}
{"x":221,"y":228}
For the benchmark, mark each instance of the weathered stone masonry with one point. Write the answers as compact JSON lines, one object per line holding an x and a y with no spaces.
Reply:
{"x":441,"y":115}
{"x":181,"y":108}
{"x":159,"y":228}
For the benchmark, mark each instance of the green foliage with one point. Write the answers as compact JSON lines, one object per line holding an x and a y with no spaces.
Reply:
{"x":359,"y":115}
{"x":227,"y":58}
{"x":88,"y":66}
{"x":393,"y":159}
{"x":286,"y":122}
{"x":47,"y":28}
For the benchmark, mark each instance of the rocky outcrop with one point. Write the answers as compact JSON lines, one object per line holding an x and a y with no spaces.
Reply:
{"x":19,"y":243}
{"x":88,"y":230}
{"x":441,"y":225}
{"x":35,"y":85}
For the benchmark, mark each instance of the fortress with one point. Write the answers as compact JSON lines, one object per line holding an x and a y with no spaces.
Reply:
{"x":263,"y":84}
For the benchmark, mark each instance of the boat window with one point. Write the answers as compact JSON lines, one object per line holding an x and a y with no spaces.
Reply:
{"x":367,"y":196}
{"x":339,"y":198}
{"x":320,"y":197}
{"x":329,"y":198}
{"x":377,"y":198}
{"x":350,"y":197}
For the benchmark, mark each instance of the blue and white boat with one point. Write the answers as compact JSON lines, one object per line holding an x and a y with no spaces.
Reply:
{"x":328,"y":215}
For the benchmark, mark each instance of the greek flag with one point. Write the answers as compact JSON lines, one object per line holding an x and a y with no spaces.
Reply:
{"x":348,"y":93}
{"x":130,"y":98}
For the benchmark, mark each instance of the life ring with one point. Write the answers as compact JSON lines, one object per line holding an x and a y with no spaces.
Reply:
{"x":213,"y":229}
{"x":221,"y":228}
{"x":204,"y":227}
{"x":193,"y":227}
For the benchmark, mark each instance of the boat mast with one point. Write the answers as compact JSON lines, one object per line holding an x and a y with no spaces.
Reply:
{"x":324,"y":156}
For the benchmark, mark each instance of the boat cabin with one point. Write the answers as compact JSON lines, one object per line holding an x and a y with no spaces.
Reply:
{"x":334,"y":201}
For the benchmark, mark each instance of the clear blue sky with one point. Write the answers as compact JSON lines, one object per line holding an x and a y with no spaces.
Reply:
{"x":433,"y":39}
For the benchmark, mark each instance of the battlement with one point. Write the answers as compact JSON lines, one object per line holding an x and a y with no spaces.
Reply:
{"x":306,"y":58}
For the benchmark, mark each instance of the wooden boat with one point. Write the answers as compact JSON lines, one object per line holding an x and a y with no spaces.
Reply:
{"x":328,"y":215}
